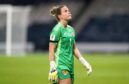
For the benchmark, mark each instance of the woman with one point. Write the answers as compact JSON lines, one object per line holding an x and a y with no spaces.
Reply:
{"x":62,"y":48}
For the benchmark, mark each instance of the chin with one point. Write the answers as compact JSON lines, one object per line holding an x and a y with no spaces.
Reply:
{"x":69,"y":18}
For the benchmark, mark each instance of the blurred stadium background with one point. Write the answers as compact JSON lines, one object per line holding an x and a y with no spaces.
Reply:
{"x":102,"y":36}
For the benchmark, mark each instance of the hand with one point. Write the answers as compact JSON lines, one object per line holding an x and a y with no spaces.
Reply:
{"x":53,"y":77}
{"x":89,"y":70}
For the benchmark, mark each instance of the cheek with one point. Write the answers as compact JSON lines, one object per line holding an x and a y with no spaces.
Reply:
{"x":66,"y":16}
{"x":63,"y":16}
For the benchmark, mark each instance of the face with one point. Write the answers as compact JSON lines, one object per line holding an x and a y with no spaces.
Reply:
{"x":65,"y":14}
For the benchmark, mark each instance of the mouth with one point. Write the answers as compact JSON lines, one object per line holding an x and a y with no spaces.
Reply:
{"x":70,"y":14}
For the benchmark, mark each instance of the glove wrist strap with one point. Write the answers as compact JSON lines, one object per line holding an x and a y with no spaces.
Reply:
{"x":52,"y":65}
{"x":84,"y":62}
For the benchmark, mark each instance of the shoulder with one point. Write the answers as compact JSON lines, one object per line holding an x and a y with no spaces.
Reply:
{"x":57,"y":27}
{"x":56,"y":30}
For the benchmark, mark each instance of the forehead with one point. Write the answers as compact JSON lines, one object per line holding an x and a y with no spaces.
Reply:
{"x":64,"y":8}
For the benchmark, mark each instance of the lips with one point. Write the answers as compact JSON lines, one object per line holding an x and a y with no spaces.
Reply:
{"x":70,"y":15}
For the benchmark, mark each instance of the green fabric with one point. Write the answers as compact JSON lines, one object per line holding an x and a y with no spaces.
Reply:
{"x":62,"y":76}
{"x":65,"y":40}
{"x":69,"y":74}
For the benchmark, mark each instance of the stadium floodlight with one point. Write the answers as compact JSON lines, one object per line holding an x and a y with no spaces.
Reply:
{"x":15,"y":22}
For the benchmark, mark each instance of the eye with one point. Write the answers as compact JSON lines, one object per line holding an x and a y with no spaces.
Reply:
{"x":66,"y":10}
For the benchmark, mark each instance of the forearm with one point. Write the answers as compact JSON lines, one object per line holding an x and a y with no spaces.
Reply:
{"x":78,"y":55}
{"x":53,"y":72}
{"x":51,"y":56}
{"x":52,"y":48}
{"x":52,"y":60}
{"x":51,"y":51}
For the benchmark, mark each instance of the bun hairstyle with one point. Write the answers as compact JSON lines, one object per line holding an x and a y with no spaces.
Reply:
{"x":56,"y":10}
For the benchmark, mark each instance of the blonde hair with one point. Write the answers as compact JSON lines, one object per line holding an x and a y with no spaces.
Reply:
{"x":56,"y":10}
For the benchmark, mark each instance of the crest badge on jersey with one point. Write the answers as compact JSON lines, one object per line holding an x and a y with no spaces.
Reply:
{"x":52,"y":37}
{"x":65,"y":72}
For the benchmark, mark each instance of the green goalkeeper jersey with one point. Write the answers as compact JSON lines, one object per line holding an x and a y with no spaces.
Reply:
{"x":65,"y":39}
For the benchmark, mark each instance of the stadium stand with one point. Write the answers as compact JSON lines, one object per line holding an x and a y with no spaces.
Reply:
{"x":113,"y":29}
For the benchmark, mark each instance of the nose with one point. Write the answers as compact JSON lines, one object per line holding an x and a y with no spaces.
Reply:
{"x":69,"y":12}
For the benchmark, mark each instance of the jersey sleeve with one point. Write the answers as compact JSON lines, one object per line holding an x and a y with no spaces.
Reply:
{"x":55,"y":36}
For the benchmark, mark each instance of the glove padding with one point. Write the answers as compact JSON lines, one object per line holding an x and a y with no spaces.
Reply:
{"x":53,"y":76}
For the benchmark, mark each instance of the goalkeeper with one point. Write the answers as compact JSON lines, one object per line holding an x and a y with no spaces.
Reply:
{"x":62,"y":48}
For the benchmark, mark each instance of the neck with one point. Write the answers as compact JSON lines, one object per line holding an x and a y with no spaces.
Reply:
{"x":64,"y":22}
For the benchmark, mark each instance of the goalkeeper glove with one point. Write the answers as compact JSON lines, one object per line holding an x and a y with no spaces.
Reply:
{"x":53,"y":77}
{"x":86,"y":65}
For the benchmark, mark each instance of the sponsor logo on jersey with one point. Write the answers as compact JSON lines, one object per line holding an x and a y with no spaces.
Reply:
{"x":52,"y":37}
{"x":67,"y":34}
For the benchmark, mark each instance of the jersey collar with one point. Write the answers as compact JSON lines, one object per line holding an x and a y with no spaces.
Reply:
{"x":62,"y":25}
